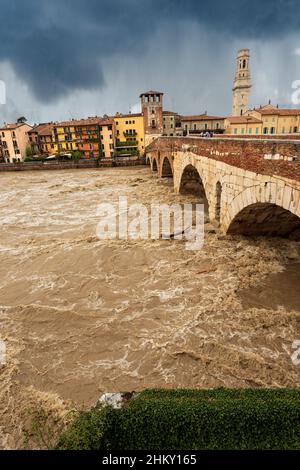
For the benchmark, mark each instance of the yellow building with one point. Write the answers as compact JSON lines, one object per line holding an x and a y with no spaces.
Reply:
{"x":41,"y":139}
{"x":130,"y":134}
{"x":277,"y":120}
{"x":266,"y":120}
{"x":202,"y":123}
{"x":243,"y":125}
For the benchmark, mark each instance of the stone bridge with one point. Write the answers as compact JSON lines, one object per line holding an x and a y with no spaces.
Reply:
{"x":248,"y":186}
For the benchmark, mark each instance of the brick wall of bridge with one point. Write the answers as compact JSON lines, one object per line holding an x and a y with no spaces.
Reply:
{"x":260,"y":156}
{"x":246,"y":177}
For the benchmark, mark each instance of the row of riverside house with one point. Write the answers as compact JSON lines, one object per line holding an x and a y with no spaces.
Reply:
{"x":127,"y":135}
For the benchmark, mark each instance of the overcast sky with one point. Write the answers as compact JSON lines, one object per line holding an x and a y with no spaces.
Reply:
{"x":64,"y":59}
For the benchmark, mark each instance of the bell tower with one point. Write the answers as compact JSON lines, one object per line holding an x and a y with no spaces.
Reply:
{"x":242,"y":83}
{"x":152,"y":110}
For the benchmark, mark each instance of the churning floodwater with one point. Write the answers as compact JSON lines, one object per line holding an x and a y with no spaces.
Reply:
{"x":81,"y":316}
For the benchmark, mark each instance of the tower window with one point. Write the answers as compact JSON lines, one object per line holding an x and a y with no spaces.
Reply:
{"x":244,"y":63}
{"x":153,"y":123}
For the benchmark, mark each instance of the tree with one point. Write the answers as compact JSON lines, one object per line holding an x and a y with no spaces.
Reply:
{"x":76,"y":155}
{"x":29,"y":152}
{"x":21,"y":120}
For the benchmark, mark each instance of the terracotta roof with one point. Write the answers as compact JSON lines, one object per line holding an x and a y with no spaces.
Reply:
{"x":120,"y":115}
{"x":10,"y":127}
{"x":46,"y":130}
{"x":39,"y":128}
{"x":84,"y":122}
{"x":170,"y":113}
{"x":279,"y":112}
{"x":243,"y":120}
{"x":201,"y":117}
{"x":151,"y":92}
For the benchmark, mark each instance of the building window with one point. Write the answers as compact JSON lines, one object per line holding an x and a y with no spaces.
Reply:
{"x":153,"y":123}
{"x":243,"y":130}
{"x":250,"y":130}
{"x":265,"y":130}
{"x":283,"y":130}
{"x":295,"y":129}
{"x":235,"y":131}
{"x":256,"y":130}
{"x":195,"y":127}
{"x":272,"y":130}
{"x":126,"y":123}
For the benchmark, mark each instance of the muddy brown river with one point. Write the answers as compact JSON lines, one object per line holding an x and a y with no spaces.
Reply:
{"x":81,"y":316}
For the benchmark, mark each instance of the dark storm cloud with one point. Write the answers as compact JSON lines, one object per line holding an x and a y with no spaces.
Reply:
{"x":58,"y":46}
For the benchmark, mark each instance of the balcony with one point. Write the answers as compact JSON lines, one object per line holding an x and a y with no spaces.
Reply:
{"x":126,"y":152}
{"x":130,"y":134}
{"x":127,"y":144}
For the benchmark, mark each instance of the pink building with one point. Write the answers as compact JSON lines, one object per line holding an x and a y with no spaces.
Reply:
{"x":14,"y":140}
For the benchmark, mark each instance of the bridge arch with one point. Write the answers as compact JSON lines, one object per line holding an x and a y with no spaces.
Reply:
{"x":267,"y":210}
{"x":218,"y":206}
{"x":154,"y":165}
{"x":192,"y":183}
{"x":166,"y":168}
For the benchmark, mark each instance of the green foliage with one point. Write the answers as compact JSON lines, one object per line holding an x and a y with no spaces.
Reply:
{"x":29,"y":151}
{"x":128,"y":143}
{"x":76,"y":155}
{"x":192,"y":420}
{"x":126,"y":152}
{"x":88,"y":431}
{"x":42,"y":429}
{"x":30,"y":159}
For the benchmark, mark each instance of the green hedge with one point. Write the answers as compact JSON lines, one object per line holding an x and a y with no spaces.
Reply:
{"x":192,"y":420}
